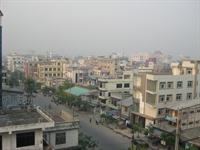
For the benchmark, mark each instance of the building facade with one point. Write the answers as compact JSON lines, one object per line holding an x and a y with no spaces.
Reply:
{"x":65,"y":132}
{"x":154,"y":91}
{"x":122,"y":85}
{"x":23,"y":129}
{"x":15,"y":62}
{"x":51,"y":69}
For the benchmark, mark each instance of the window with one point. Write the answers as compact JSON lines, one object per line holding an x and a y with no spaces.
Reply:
{"x":189,"y":84}
{"x":189,"y":96}
{"x":183,"y":124}
{"x":190,"y":123}
{"x":169,"y":97}
{"x":100,"y":85}
{"x":179,"y":84}
{"x":58,"y":64}
{"x":178,"y":97}
{"x":58,"y":69}
{"x":161,"y":111}
{"x":58,"y":74}
{"x":169,"y":85}
{"x":46,"y":69}
{"x":161,"y":98}
{"x":184,"y":113}
{"x":192,"y":111}
{"x":54,"y":69}
{"x":126,"y":85}
{"x":50,"y":69}
{"x":45,"y":75}
{"x":189,"y":71}
{"x":119,"y":85}
{"x":60,"y":138}
{"x":25,"y":139}
{"x":127,"y":76}
{"x":162,"y":85}
{"x":109,"y":94}
{"x":50,"y":75}
{"x":54,"y":74}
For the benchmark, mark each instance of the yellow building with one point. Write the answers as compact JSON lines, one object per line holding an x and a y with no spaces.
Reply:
{"x":51,"y":69}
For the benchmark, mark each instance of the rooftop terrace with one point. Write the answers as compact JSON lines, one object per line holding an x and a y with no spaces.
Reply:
{"x":21,"y":117}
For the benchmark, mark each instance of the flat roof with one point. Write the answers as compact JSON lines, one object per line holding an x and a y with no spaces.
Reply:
{"x":21,"y":117}
{"x":77,"y":91}
{"x":183,"y":105}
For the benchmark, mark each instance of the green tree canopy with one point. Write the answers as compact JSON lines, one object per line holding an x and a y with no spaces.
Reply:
{"x":29,"y":86}
{"x":168,"y":138}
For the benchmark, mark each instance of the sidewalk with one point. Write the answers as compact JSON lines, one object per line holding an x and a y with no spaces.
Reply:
{"x":124,"y":132}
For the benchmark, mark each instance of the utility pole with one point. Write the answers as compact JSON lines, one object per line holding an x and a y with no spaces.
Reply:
{"x":177,"y":130}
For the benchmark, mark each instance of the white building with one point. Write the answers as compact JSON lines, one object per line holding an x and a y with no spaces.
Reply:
{"x":15,"y":62}
{"x":140,"y":57}
{"x":110,"y":86}
{"x":154,"y":91}
{"x":65,"y":132}
{"x":23,"y":129}
{"x":78,"y":75}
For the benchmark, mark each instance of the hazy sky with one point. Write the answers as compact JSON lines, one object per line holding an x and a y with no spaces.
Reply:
{"x":99,"y":27}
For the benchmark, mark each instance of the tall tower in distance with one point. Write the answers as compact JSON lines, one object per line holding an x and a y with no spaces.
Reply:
{"x":1,"y":14}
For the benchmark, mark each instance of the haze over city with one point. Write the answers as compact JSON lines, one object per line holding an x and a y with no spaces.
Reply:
{"x":84,"y":27}
{"x":100,"y":74}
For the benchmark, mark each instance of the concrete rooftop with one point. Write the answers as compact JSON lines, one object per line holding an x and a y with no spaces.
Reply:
{"x":21,"y":117}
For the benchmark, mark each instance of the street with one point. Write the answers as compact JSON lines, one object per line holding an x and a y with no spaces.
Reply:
{"x":105,"y":137}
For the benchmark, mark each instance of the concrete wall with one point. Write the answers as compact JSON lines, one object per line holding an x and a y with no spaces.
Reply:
{"x":9,"y":141}
{"x":71,"y":139}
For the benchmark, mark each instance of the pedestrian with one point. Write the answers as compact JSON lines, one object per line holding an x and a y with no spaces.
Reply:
{"x":97,"y":122}
{"x":90,"y":119}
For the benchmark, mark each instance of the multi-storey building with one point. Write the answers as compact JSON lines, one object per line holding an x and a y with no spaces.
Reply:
{"x":15,"y":62}
{"x":50,"y":70}
{"x":110,"y":86}
{"x":23,"y":129}
{"x":64,"y":135}
{"x":152,"y":91}
{"x":30,"y":69}
{"x":78,"y":75}
{"x":140,"y":57}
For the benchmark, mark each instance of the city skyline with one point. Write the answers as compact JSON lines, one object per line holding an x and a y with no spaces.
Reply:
{"x":100,"y":28}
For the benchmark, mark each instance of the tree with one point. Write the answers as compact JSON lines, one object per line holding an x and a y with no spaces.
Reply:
{"x":148,"y":130}
{"x":137,"y":128}
{"x":29,"y":87}
{"x":168,"y":138}
{"x":67,"y":84}
{"x":86,"y":142}
{"x":193,"y":148}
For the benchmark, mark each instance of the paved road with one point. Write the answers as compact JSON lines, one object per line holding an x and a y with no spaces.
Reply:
{"x":107,"y":139}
